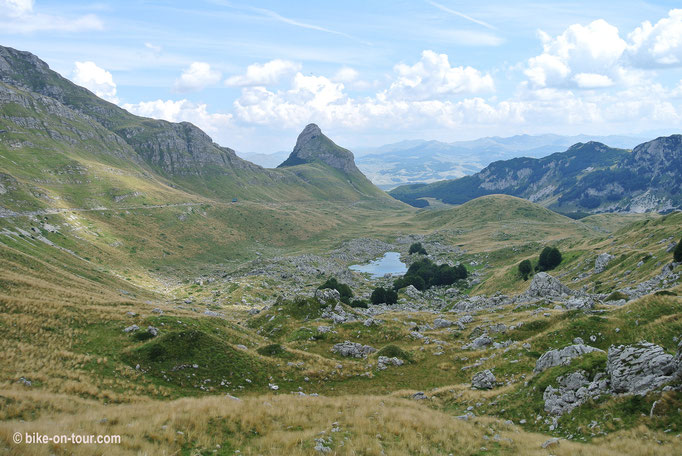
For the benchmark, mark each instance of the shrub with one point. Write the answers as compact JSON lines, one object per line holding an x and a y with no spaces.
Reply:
{"x":407,"y":280}
{"x":417,"y":248}
{"x":381,"y":295}
{"x":525,"y":268}
{"x":359,"y":304}
{"x":677,"y":253}
{"x":343,"y":289}
{"x":550,"y":258}
{"x":431,"y":274}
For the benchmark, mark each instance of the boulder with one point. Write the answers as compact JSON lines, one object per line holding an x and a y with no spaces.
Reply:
{"x":442,"y":323}
{"x":483,"y":380}
{"x":481,"y":342}
{"x":562,"y":357}
{"x":131,"y":328}
{"x":327,"y":296}
{"x":385,"y":361}
{"x":546,"y":286}
{"x":412,"y":292}
{"x":153,"y":331}
{"x":602,"y":261}
{"x":639,"y":368}
{"x":573,"y":390}
{"x":352,"y":349}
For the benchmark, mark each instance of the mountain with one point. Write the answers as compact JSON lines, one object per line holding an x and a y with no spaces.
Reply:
{"x":314,"y":147}
{"x":266,"y":160}
{"x":587,"y":178}
{"x":419,"y":161}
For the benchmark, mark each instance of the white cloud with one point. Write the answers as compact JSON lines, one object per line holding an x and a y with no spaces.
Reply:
{"x":18,"y":16}
{"x":96,"y":79}
{"x":658,"y":45}
{"x":433,"y":77}
{"x":153,"y":47}
{"x":182,"y":111}
{"x":346,"y":75}
{"x":582,"y":56}
{"x":264,"y":74}
{"x":198,"y":76}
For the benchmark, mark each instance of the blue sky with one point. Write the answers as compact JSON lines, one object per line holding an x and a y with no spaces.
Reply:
{"x":253,"y":74}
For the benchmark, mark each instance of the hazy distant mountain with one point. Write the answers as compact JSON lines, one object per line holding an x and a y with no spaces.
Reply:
{"x":266,"y":160}
{"x":587,"y":178}
{"x":416,"y":161}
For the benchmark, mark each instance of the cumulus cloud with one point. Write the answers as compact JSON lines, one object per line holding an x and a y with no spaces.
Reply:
{"x":198,"y":76}
{"x":433,"y":77}
{"x":582,"y":56}
{"x":18,"y":16}
{"x":264,"y":74}
{"x":96,"y":79}
{"x":658,"y":45}
{"x":182,"y":111}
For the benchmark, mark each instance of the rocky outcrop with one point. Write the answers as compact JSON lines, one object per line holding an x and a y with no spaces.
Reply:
{"x":602,"y":261}
{"x":352,"y":349}
{"x":546,"y":286}
{"x":562,"y":357}
{"x":484,"y":380}
{"x":639,"y":368}
{"x":313,"y":146}
{"x":327,"y":296}
{"x":573,"y":390}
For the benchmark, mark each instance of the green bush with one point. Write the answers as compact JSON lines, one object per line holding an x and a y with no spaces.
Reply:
{"x":550,"y":258}
{"x":381,"y":295}
{"x":417,"y":248}
{"x":525,"y":268}
{"x":359,"y":304}
{"x":343,"y":289}
{"x":431,"y":274}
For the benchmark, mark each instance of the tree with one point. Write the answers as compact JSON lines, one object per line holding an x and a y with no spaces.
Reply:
{"x":391,"y":297}
{"x":525,"y":268}
{"x":417,"y":248}
{"x":677,"y":253}
{"x":344,"y":290}
{"x":378,"y":295}
{"x":407,"y":280}
{"x":550,"y":258}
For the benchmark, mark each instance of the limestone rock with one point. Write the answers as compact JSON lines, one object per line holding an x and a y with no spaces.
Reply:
{"x":484,"y":380}
{"x":546,"y":286}
{"x":602,"y":261}
{"x":639,"y":368}
{"x":352,"y":349}
{"x":562,"y":357}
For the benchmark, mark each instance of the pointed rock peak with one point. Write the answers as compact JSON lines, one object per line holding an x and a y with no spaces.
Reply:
{"x":313,"y":146}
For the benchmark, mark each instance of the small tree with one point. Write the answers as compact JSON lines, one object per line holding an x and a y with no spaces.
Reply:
{"x":677,"y":253}
{"x":391,"y":297}
{"x":550,"y":258}
{"x":378,"y":296}
{"x":344,"y":290}
{"x":525,"y":268}
{"x":417,"y":248}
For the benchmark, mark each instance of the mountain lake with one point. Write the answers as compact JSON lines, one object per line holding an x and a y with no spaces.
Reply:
{"x":388,"y":264}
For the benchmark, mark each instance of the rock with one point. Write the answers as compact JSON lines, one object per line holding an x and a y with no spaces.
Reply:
{"x":562,"y":357}
{"x":352,"y":349}
{"x":156,"y":310}
{"x":574,"y":390}
{"x":550,"y":442}
{"x":241,"y":347}
{"x":371,"y":322}
{"x":153,"y":331}
{"x":602,"y":261}
{"x":24,"y":381}
{"x":442,"y":323}
{"x":327,"y":296}
{"x":639,"y":368}
{"x":385,"y":361}
{"x":419,"y":396}
{"x":484,"y":380}
{"x":273,"y":387}
{"x":579,"y":303}
{"x":546,"y":286}
{"x":131,"y":328}
{"x":324,"y":329}
{"x":412,"y":292}
{"x":211,"y":313}
{"x":481,"y":342}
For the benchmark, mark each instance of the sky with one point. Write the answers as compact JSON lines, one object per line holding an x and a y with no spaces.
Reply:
{"x":252,"y":74}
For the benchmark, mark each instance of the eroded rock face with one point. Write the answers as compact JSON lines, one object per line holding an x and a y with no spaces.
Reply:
{"x":602,"y":261}
{"x":546,"y":286}
{"x":352,"y":349}
{"x":312,"y":145}
{"x":574,"y":389}
{"x":484,"y":380}
{"x":639,"y":368}
{"x":562,"y":357}
{"x":327,"y":296}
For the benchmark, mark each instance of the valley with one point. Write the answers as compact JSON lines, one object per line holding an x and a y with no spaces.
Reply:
{"x":155,"y":286}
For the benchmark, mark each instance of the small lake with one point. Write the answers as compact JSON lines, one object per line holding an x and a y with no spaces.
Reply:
{"x":388,"y":264}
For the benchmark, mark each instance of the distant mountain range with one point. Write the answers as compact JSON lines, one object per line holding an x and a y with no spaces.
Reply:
{"x":421,"y":161}
{"x":587,"y":178}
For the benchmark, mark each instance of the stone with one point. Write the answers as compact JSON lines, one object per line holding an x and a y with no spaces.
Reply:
{"x":546,"y":286}
{"x":551,"y":442}
{"x":327,"y":296}
{"x":484,"y":380}
{"x":442,"y":323}
{"x":352,"y":349}
{"x":156,"y":310}
{"x":602,"y":261}
{"x":412,"y":292}
{"x":579,"y":303}
{"x":573,"y":390}
{"x":153,"y":331}
{"x":419,"y":396}
{"x":481,"y":342}
{"x":639,"y":368}
{"x":562,"y":357}
{"x":384,"y":361}
{"x":131,"y":328}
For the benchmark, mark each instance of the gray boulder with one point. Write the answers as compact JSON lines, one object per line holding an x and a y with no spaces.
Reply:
{"x":562,"y":357}
{"x":412,"y":292}
{"x":481,"y":342}
{"x":352,"y":349}
{"x":442,"y":323}
{"x":574,"y":389}
{"x":327,"y":296}
{"x":131,"y":328}
{"x":546,"y":286}
{"x":384,"y":361}
{"x":639,"y":368}
{"x":483,"y":380}
{"x":602,"y":261}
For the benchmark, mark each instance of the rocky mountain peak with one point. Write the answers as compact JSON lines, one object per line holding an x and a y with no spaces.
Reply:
{"x":313,"y":146}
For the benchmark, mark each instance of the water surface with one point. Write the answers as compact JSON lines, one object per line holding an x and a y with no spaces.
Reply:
{"x":388,"y":264}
